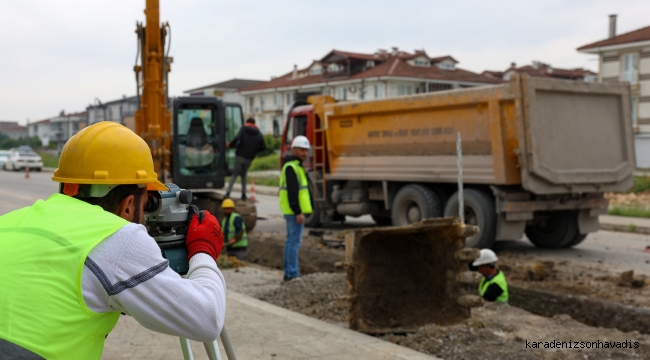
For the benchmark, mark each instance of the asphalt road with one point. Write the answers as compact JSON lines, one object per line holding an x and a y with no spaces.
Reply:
{"x":617,"y":250}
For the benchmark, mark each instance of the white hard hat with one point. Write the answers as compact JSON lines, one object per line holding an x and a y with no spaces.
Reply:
{"x":487,"y":257}
{"x":300,"y":142}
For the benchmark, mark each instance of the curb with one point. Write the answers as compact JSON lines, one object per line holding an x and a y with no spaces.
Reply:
{"x":631,"y":228}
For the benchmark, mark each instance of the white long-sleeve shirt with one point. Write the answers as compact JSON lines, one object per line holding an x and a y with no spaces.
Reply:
{"x":127,"y":273}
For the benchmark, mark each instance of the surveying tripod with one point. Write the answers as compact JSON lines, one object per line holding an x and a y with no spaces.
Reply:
{"x":212,"y":348}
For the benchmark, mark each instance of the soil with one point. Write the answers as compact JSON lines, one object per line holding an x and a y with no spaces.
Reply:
{"x":492,"y":332}
{"x":573,"y":277}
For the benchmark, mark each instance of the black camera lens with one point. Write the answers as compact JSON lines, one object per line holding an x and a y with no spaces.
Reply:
{"x":152,"y":203}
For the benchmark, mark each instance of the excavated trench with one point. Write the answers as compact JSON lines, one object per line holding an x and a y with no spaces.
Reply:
{"x":267,"y":249}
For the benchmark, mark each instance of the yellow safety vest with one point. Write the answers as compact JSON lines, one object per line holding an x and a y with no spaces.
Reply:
{"x":243,"y":242}
{"x":43,"y":248}
{"x":304,"y":198}
{"x":498,"y":279}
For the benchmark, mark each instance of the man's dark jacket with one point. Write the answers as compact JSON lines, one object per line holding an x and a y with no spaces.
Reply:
{"x":249,"y":141}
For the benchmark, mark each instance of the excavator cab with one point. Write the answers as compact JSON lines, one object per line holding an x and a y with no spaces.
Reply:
{"x":201,"y":128}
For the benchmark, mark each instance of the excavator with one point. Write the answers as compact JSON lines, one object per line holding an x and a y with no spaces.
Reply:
{"x":188,"y":144}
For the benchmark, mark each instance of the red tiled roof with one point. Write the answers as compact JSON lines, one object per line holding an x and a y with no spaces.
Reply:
{"x":397,"y":67}
{"x":546,"y":71}
{"x":350,"y":55}
{"x":642,"y":34}
{"x":441,"y":58}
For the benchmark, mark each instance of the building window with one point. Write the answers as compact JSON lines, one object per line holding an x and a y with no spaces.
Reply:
{"x":370,"y":64}
{"x":251,"y":104}
{"x":315,"y":71}
{"x":629,"y":68}
{"x":447,"y":65}
{"x":263,"y":126}
{"x":289,"y":98}
{"x":404,"y":89}
{"x":439,"y":87}
{"x":262,"y":103}
{"x":379,"y":91}
{"x":341,"y":93}
{"x":633,"y":111}
{"x":422,"y":63}
{"x":333,"y":68}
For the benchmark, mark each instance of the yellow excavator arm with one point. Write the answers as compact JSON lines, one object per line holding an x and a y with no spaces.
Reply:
{"x":153,"y":119}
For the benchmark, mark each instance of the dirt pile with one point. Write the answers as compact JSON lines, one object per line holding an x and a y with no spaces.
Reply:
{"x":492,"y":332}
{"x":573,"y":277}
{"x":267,"y":249}
{"x":319,"y":295}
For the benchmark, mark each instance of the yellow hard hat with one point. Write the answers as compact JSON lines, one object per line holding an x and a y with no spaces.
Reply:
{"x":107,"y":153}
{"x":228,"y":204}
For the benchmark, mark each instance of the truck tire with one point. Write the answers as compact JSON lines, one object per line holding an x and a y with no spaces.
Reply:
{"x":479,"y":211}
{"x":414,"y":203}
{"x":382,"y":220}
{"x":555,"y":229}
{"x":313,"y":220}
{"x":576,"y":240}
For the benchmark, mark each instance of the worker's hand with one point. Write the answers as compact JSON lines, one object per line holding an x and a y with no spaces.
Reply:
{"x":300,"y":219}
{"x":205,"y":237}
{"x":232,"y":241}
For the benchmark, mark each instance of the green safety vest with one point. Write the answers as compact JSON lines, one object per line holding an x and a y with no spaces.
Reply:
{"x":498,"y":279}
{"x":243,"y":242}
{"x":43,"y":248}
{"x":304,"y":198}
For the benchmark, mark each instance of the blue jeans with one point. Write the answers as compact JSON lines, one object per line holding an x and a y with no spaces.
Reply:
{"x":291,"y":246}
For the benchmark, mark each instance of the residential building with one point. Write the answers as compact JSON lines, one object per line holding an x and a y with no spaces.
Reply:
{"x":59,"y":128}
{"x":228,"y":91}
{"x":540,"y":69}
{"x":120,"y":111}
{"x":13,"y":130}
{"x":626,"y":58}
{"x":348,"y":76}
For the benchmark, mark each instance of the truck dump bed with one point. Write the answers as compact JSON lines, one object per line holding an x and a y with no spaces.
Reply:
{"x":549,"y":136}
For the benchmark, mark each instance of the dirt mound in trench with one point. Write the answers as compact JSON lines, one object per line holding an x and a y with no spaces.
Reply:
{"x":493,"y":331}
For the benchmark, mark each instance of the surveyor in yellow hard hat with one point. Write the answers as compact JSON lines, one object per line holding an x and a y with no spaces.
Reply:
{"x":493,"y":286}
{"x":234,"y":231}
{"x":70,"y":264}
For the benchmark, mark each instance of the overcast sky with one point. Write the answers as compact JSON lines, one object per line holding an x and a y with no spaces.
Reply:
{"x":61,"y":55}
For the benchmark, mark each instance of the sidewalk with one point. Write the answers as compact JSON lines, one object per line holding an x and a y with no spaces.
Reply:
{"x":260,"y":331}
{"x":625,"y":224}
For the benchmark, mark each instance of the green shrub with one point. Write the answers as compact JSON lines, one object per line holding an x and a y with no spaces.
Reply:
{"x":272,"y":145}
{"x":268,"y":162}
{"x":49,"y":160}
{"x":631,"y":211}
{"x":641,"y":184}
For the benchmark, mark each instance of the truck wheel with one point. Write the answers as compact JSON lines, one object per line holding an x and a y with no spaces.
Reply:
{"x":480,"y":211}
{"x":576,"y":240}
{"x":414,"y":203}
{"x":554,"y":229}
{"x":313,"y":219}
{"x":382,"y":220}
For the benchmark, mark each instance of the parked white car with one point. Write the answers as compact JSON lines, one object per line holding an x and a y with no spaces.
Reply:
{"x":19,"y":159}
{"x":4,"y":156}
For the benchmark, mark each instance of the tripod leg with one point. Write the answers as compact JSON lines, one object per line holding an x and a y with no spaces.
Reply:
{"x":212,"y":348}
{"x":227,"y":345}
{"x":187,"y":349}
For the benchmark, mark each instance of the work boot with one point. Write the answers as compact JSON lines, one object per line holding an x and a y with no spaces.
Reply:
{"x":243,"y":197}
{"x":287,"y":279}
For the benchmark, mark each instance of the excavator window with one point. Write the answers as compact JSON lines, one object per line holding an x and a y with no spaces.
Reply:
{"x":234,"y":122}
{"x":196,"y":139}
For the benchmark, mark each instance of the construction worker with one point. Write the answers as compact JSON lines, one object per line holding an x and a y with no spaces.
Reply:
{"x":295,"y":202}
{"x":493,"y":286}
{"x":249,"y":141}
{"x":71,"y":264}
{"x":234,"y":231}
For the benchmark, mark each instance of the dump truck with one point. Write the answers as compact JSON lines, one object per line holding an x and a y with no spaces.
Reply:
{"x":538,"y":155}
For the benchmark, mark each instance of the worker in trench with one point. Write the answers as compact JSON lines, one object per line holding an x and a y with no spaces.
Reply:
{"x":295,"y":202}
{"x":234,"y":231}
{"x":493,"y":286}
{"x":69,"y":265}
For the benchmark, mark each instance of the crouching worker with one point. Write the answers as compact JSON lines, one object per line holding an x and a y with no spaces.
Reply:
{"x":493,"y":286}
{"x":71,"y":264}
{"x":234,"y":229}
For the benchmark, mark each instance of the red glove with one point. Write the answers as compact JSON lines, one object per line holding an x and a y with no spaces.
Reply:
{"x":204,"y":237}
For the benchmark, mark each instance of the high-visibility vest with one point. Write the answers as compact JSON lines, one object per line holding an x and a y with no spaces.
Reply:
{"x":43,"y":248}
{"x":498,"y":279}
{"x":304,"y":199}
{"x":231,"y":230}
